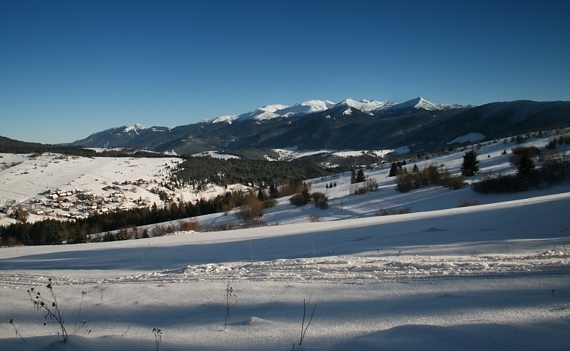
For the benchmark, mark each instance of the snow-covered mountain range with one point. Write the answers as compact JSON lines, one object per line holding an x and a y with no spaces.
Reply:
{"x":349,"y":124}
{"x":312,"y":106}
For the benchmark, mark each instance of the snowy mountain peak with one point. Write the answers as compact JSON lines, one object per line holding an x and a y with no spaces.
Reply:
{"x":262,"y":113}
{"x":418,"y":103}
{"x":426,"y":105}
{"x":365,"y":106}
{"x":229,"y":119}
{"x":316,"y":105}
{"x":134,"y":128}
{"x":421,"y":103}
{"x":306,"y":107}
{"x":310,"y":106}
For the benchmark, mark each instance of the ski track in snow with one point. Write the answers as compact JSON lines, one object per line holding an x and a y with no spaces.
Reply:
{"x":336,"y":269}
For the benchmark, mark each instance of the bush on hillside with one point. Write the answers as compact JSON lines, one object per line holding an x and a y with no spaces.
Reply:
{"x":269,"y":203}
{"x":298,"y":200}
{"x":394,"y":211}
{"x":362,"y":188}
{"x":519,"y":151}
{"x":320,"y":200}
{"x":450,"y":181}
{"x":251,"y":208}
{"x":189,"y":226}
{"x":467,"y":203}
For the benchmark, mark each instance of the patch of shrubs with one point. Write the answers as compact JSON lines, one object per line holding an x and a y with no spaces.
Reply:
{"x":189,"y":226}
{"x":320,"y":200}
{"x":109,"y":237}
{"x":254,"y":223}
{"x":122,"y":234}
{"x":519,"y":151}
{"x":314,"y":218}
{"x":467,"y":203}
{"x":394,"y":211}
{"x":562,"y":140}
{"x":553,"y":172}
{"x":298,"y":200}
{"x":162,"y":230}
{"x":302,"y":198}
{"x":428,"y":176}
{"x":251,"y":208}
{"x":270,"y":203}
{"x":362,"y":188}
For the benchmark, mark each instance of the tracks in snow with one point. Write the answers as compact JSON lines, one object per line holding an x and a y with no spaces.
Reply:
{"x":338,"y":269}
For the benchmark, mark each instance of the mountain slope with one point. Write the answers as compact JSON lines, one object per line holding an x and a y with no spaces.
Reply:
{"x":501,"y":119}
{"x":112,"y":137}
{"x":350,"y":124}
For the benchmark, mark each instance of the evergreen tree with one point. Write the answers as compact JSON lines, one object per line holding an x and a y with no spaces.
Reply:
{"x":360,"y":176}
{"x":174,"y":211}
{"x":526,"y":166}
{"x":261,"y":195}
{"x":524,"y":170}
{"x":393,"y":170}
{"x":273,"y":192}
{"x":470,"y":165}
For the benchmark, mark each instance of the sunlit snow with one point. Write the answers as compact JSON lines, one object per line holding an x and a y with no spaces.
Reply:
{"x":471,"y":137}
{"x":494,"y":276}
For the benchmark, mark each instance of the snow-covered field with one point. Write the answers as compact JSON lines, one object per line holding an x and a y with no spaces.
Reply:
{"x":489,"y":277}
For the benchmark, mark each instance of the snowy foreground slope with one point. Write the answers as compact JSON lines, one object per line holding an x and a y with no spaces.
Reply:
{"x":483,"y":277}
{"x":490,"y":277}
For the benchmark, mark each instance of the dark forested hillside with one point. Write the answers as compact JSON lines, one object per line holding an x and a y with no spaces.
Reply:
{"x":8,"y":145}
{"x":202,"y":170}
{"x":12,"y":146}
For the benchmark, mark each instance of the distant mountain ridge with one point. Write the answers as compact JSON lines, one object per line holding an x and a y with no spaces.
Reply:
{"x":349,"y":124}
{"x":312,"y":106}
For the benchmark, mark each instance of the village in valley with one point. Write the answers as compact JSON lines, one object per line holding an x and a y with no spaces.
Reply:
{"x":74,"y":187}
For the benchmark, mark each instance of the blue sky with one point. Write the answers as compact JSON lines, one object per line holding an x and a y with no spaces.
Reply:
{"x":72,"y":68}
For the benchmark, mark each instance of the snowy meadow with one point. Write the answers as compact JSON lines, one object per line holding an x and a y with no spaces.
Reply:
{"x":438,"y":276}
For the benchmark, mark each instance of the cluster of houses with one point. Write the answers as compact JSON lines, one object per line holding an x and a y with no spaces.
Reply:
{"x":77,"y":203}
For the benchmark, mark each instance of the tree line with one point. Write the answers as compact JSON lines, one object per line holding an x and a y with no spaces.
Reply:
{"x":54,"y":232}
{"x":11,"y":146}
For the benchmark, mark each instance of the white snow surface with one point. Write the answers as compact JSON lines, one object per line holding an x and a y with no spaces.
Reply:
{"x":306,"y":107}
{"x":489,"y":277}
{"x":293,"y":153}
{"x":216,"y":154}
{"x":265,"y":112}
{"x":418,"y":102}
{"x":279,"y":110}
{"x":366,"y":106}
{"x":471,"y":137}
{"x":310,"y":106}
{"x":134,"y":128}
{"x":229,"y":119}
{"x":129,"y":129}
